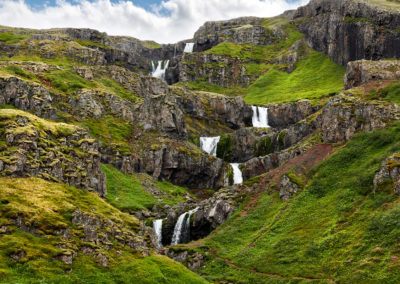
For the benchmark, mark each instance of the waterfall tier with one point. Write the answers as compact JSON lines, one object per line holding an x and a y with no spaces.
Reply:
{"x":182,"y":228}
{"x":157,"y":226}
{"x":189,"y":47}
{"x":159,"y":71}
{"x":209,"y":145}
{"x":237,"y":174}
{"x":260,"y":116}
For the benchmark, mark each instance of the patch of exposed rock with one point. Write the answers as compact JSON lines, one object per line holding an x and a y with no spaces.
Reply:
{"x":27,"y":95}
{"x":364,"y":71}
{"x":53,"y":151}
{"x":389,"y":173}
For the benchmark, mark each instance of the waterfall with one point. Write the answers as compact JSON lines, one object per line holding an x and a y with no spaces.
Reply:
{"x":260,"y":116}
{"x":159,"y":72}
{"x":182,"y":228}
{"x":189,"y":47}
{"x":237,"y":174}
{"x":157,"y":226}
{"x":209,"y":145}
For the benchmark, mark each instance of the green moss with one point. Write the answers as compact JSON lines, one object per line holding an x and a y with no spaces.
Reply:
{"x":391,"y":93}
{"x":112,"y":131}
{"x":357,"y":20}
{"x":18,"y":71}
{"x":67,"y":81}
{"x":119,"y":90}
{"x":91,"y":44}
{"x":263,"y":147}
{"x":12,"y":38}
{"x":224,"y":148}
{"x":230,"y":176}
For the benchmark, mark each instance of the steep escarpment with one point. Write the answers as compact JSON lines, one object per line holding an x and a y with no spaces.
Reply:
{"x":348,"y":30}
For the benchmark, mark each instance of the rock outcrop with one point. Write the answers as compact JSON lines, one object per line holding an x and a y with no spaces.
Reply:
{"x":220,"y":70}
{"x":180,"y":163}
{"x":246,"y":30}
{"x":349,"y":30}
{"x":27,"y":95}
{"x":389,"y":173}
{"x":59,"y":152}
{"x":363,"y":71}
{"x":281,"y":116}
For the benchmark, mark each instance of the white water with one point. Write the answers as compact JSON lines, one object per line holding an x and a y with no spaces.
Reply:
{"x":157,"y":226}
{"x":209,"y":145}
{"x":189,"y":47}
{"x":237,"y":174}
{"x":159,"y":71}
{"x":260,"y":116}
{"x":181,"y":229}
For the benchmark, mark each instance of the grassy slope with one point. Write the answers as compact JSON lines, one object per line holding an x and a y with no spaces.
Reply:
{"x":315,"y":76}
{"x":127,"y":193}
{"x":335,"y":229}
{"x":48,"y":207}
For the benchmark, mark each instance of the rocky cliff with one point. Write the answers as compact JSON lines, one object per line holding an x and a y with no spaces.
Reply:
{"x":348,"y":30}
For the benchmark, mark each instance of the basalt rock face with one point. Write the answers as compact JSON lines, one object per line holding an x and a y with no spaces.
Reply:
{"x":349,"y":30}
{"x":344,"y":116}
{"x":281,"y":116}
{"x":232,"y":112}
{"x":162,"y":112}
{"x":250,"y":31}
{"x":220,"y":70}
{"x":193,"y":169}
{"x":27,"y":96}
{"x":364,"y":71}
{"x":52,"y":151}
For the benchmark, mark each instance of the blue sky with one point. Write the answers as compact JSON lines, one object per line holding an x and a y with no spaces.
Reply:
{"x":166,"y":21}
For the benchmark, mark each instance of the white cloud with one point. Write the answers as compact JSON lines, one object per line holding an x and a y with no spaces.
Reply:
{"x":179,"y":20}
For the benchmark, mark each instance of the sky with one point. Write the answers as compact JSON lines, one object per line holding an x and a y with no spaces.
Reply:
{"x":164,"y":21}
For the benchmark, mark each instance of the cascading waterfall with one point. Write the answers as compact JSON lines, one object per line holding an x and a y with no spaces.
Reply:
{"x":159,"y":71}
{"x":189,"y":47}
{"x":260,"y":116}
{"x":237,"y":174}
{"x":182,"y":228}
{"x":209,"y":145}
{"x":157,"y":226}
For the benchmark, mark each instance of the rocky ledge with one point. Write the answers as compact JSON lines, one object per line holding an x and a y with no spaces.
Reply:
{"x":30,"y":146}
